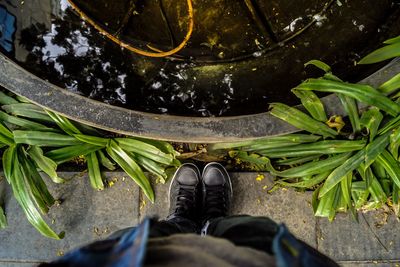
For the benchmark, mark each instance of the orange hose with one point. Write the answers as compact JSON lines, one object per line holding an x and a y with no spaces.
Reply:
{"x":137,"y":50}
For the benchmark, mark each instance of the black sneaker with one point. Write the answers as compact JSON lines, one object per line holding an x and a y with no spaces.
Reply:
{"x":184,"y":193}
{"x":217,"y":192}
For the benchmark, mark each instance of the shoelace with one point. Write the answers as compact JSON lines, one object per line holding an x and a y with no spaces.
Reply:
{"x":215,"y":202}
{"x":186,"y":198}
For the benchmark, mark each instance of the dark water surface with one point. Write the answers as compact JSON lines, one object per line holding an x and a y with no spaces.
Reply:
{"x":243,"y":54}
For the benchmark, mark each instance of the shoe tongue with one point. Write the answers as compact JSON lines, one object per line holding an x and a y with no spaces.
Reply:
{"x":188,"y":177}
{"x":214,"y":177}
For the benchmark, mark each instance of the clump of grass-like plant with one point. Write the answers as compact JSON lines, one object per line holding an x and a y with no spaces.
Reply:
{"x":36,"y":140}
{"x":349,"y":168}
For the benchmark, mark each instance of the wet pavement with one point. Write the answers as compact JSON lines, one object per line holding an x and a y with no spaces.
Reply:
{"x":87,"y":215}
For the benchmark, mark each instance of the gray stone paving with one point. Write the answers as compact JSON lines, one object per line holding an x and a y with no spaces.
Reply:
{"x":87,"y":215}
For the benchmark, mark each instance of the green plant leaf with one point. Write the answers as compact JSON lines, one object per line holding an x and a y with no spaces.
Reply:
{"x":151,"y":166}
{"x":317,"y":148}
{"x":24,"y":123}
{"x":315,"y":180}
{"x":297,"y":160}
{"x":29,"y":111}
{"x":319,"y":64}
{"x":395,"y":143}
{"x":392,"y":40}
{"x":259,"y":162}
{"x":94,"y":140}
{"x":390,"y":86}
{"x":8,"y":161}
{"x":105,"y":161}
{"x":36,"y":138}
{"x":37,"y":188}
{"x":7,"y":100}
{"x":390,"y":165}
{"x":20,"y":189}
{"x":346,"y":191}
{"x":371,"y":119}
{"x":130,"y":167}
{"x":387,"y":52}
{"x":369,"y":154}
{"x":312,"y":103}
{"x":64,"y":124}
{"x":71,"y":152}
{"x":301,"y":120}
{"x":6,"y":136}
{"x":146,"y":150}
{"x":360,"y":92}
{"x":3,"y":219}
{"x":165,"y":147}
{"x":45,"y":164}
{"x":350,"y":106}
{"x":94,"y":171}
{"x":312,"y":168}
{"x":326,"y":205}
{"x":269,"y":142}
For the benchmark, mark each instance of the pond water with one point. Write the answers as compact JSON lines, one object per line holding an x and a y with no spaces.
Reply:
{"x":243,"y":54}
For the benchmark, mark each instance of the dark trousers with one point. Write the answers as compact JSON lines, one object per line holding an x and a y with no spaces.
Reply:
{"x":260,"y":233}
{"x":242,"y":230}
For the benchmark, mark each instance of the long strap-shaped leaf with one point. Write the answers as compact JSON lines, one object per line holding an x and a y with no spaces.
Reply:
{"x":390,"y":165}
{"x":301,"y":120}
{"x":313,"y":168}
{"x":3,"y":219}
{"x":24,"y":123}
{"x":70,"y":152}
{"x":315,"y":180}
{"x":45,"y":164}
{"x":130,"y":167}
{"x":390,"y":51}
{"x":371,"y":119}
{"x":27,"y":110}
{"x":36,"y":138}
{"x":62,"y":122}
{"x":94,"y":171}
{"x":312,"y":103}
{"x":317,"y":148}
{"x":21,"y":192}
{"x":8,"y":161}
{"x":350,"y":106}
{"x":269,"y":142}
{"x":144,"y":149}
{"x":368,"y":154}
{"x":363,"y":93}
{"x":37,"y":188}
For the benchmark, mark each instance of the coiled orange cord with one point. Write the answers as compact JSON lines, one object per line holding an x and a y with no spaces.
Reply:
{"x":158,"y":52}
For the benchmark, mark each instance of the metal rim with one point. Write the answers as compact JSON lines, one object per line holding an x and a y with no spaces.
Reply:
{"x":155,"y":126}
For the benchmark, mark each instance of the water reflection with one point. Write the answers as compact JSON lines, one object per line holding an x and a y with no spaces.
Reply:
{"x":47,"y":38}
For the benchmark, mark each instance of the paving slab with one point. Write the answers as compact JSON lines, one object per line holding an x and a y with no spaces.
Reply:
{"x":17,"y":264}
{"x":87,"y":215}
{"x":251,"y":197}
{"x":370,"y":264}
{"x":375,"y":238}
{"x":84,"y":214}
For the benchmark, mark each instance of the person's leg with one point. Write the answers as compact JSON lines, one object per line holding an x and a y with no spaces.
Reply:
{"x":184,"y":204}
{"x":255,"y":232}
{"x":244,"y":230}
{"x":260,"y":233}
